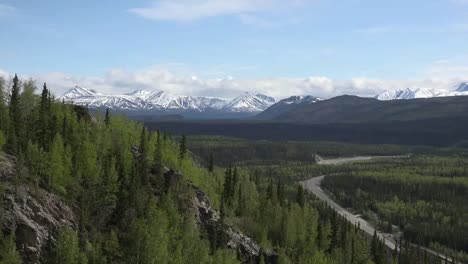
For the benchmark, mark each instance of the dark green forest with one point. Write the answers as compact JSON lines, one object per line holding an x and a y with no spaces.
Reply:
{"x":113,"y":173}
{"x":425,"y":196}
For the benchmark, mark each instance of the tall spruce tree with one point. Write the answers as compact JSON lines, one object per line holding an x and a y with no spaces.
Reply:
{"x":182,"y":148}
{"x":211,"y":163}
{"x":107,"y":118}
{"x":158,"y":166}
{"x":15,"y":117}
{"x":300,"y":196}
{"x":143,"y":159}
{"x":44,"y":118}
{"x":3,"y":110}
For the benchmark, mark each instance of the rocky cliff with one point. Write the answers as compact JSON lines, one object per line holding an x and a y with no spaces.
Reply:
{"x":31,"y":213}
{"x":248,"y":250}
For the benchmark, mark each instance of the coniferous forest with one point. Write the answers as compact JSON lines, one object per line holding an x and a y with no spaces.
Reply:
{"x":115,"y":176}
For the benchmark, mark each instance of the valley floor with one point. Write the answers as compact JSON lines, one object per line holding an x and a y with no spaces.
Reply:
{"x":313,"y":185}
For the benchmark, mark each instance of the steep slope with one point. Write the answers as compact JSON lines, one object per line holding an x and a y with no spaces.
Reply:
{"x":286,"y":105}
{"x":462,"y":87}
{"x":353,"y":109}
{"x":249,"y":103}
{"x":79,"y":92}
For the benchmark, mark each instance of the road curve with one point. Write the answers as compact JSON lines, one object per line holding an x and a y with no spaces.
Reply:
{"x":313,"y":185}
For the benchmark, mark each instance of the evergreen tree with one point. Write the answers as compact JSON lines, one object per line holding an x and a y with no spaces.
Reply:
{"x":240,"y":202}
{"x":58,"y":172}
{"x":226,"y":196}
{"x":44,"y":117}
{"x":280,"y":192}
{"x":3,"y":108}
{"x":182,"y":148}
{"x":158,"y":166}
{"x":300,"y":196}
{"x":107,"y":118}
{"x":269,"y":193}
{"x":15,"y":117}
{"x":211,"y":163}
{"x":143,"y":158}
{"x":67,"y":249}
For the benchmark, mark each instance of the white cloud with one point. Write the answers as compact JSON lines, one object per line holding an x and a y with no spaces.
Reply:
{"x":6,"y":10}
{"x":187,"y":10}
{"x":191,"y":10}
{"x":121,"y":81}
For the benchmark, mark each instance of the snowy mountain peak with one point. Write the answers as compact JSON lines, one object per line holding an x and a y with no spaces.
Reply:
{"x":79,"y":92}
{"x":266,"y":98}
{"x":139,"y":93}
{"x":299,"y":99}
{"x":250,"y":103}
{"x":408,"y":94}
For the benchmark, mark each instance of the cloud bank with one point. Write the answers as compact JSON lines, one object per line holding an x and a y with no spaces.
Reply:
{"x":121,"y":81}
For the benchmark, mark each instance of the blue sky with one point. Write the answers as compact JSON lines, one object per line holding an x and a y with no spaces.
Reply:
{"x":221,"y":47}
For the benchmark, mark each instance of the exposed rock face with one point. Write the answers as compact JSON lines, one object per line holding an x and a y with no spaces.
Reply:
{"x":248,"y":250}
{"x":34,"y":215}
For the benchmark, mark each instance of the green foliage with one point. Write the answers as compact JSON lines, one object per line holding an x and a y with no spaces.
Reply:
{"x":2,"y":139}
{"x":182,"y":147}
{"x":107,"y":117}
{"x":8,"y":252}
{"x":67,"y":249}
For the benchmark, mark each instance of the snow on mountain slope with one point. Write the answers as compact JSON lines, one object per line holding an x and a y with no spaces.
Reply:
{"x":249,"y":103}
{"x":160,"y":100}
{"x":300,"y":100}
{"x":79,"y":92}
{"x":409,"y":94}
{"x":286,"y":105}
{"x":462,"y":87}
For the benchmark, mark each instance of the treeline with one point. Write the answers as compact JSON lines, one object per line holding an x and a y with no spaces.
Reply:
{"x":228,"y":150}
{"x":425,"y":196}
{"x":448,"y":131}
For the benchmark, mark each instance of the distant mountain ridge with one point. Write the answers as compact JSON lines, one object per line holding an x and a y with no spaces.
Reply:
{"x":354,"y":109}
{"x":414,"y":93}
{"x":142,"y":100}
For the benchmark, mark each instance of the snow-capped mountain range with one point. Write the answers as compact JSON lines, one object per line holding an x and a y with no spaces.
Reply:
{"x":459,"y":90}
{"x":246,"y":103}
{"x":142,"y":100}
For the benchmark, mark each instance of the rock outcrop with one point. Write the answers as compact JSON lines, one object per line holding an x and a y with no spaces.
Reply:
{"x":31,"y":213}
{"x":248,"y":250}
